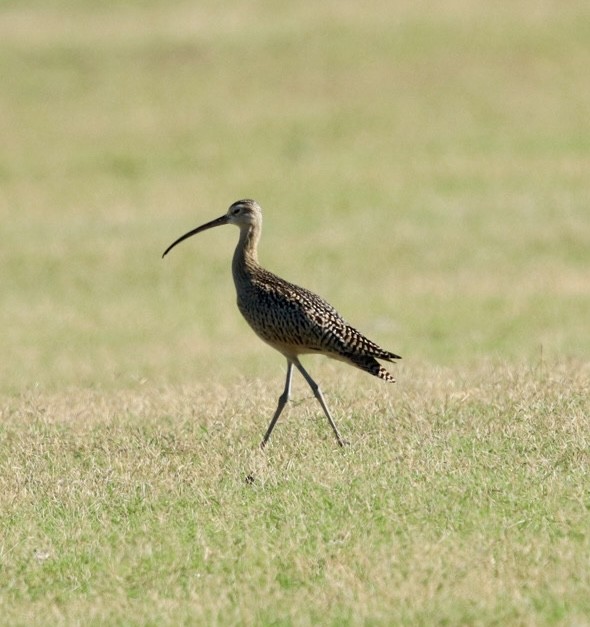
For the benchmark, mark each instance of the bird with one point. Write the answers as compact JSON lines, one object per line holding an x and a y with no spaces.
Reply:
{"x":291,"y":319}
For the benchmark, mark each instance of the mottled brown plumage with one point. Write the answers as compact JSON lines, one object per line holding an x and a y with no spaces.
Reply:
{"x":290,"y":318}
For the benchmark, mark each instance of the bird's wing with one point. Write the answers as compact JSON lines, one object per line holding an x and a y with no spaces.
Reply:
{"x":328,"y":331}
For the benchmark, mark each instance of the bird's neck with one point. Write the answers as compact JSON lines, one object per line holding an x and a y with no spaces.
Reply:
{"x":245,"y":259}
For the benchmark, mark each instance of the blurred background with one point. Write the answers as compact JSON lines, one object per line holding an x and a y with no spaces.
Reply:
{"x":425,"y":167}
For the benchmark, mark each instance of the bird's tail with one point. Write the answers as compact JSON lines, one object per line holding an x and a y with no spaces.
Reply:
{"x":371,"y":365}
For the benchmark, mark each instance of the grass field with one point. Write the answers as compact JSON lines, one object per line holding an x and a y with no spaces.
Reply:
{"x":424,"y":168}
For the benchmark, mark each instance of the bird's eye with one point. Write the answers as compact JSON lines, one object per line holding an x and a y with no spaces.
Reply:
{"x":235,"y":211}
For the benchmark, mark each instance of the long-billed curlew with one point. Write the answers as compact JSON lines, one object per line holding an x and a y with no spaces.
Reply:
{"x":291,"y":319}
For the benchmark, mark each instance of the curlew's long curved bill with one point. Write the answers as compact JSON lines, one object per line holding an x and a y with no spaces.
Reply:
{"x":199,"y":229}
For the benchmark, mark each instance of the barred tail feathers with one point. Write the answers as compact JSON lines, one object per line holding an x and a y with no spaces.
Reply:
{"x":371,"y":365}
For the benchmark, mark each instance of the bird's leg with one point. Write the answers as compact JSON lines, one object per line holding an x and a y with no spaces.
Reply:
{"x":318,"y":394}
{"x":283,"y":398}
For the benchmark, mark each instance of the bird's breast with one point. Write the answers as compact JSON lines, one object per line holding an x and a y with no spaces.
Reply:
{"x":275,"y":317}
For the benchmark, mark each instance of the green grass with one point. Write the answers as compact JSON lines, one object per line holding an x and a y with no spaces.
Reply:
{"x":462,"y":498}
{"x":423,"y":168}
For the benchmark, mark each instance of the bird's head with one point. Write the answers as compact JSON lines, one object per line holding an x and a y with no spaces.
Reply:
{"x":243,"y":213}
